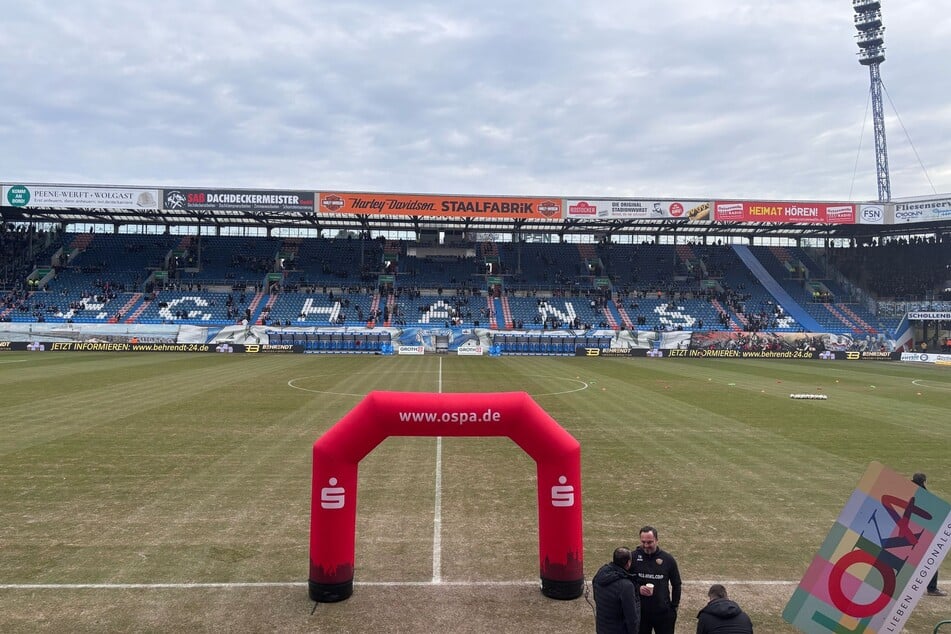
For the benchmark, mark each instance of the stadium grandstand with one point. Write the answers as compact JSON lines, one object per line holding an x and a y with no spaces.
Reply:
{"x":384,"y":273}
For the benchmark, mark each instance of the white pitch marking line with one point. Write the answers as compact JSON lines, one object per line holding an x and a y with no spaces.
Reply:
{"x":439,"y":377}
{"x":147,"y":586}
{"x":291,"y":384}
{"x":925,"y":383}
{"x":302,"y":584}
{"x":437,"y":516}
{"x":437,"y":505}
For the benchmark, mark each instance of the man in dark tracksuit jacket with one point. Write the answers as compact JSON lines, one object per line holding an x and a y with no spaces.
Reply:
{"x":920,"y":479}
{"x":655,"y":566}
{"x":616,"y":606}
{"x":722,"y":616}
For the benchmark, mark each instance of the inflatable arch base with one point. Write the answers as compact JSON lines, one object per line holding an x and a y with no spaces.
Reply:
{"x":329,"y":592}
{"x":551,"y":588}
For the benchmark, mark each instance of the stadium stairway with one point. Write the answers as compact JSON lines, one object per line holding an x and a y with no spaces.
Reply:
{"x":127,"y":308}
{"x":841,"y":318}
{"x":253,"y":307}
{"x":687,"y":256}
{"x":390,"y":305}
{"x":864,"y":325}
{"x":775,"y":289}
{"x":490,"y":311}
{"x":507,"y":312}
{"x":723,"y":311}
{"x":136,"y":311}
{"x":259,"y":320}
{"x":498,"y":314}
{"x":626,"y":320}
{"x":374,"y":306}
{"x":611,"y":315}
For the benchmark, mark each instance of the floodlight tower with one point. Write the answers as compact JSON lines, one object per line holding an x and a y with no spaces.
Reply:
{"x":871,"y":41}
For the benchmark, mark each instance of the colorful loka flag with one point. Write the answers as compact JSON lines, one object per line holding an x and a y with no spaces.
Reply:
{"x":876,"y":561}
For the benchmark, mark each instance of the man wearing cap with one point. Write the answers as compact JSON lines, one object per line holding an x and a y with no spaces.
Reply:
{"x":920,"y":479}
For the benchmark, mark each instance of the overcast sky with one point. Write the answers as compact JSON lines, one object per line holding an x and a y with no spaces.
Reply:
{"x":641,"y":98}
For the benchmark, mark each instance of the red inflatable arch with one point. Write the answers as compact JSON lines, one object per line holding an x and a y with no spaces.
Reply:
{"x":382,"y":414}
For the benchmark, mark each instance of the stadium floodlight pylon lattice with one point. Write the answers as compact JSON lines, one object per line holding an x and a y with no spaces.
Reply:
{"x":871,"y":41}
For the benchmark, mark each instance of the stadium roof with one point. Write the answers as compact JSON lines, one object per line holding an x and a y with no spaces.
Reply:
{"x":268,"y":209}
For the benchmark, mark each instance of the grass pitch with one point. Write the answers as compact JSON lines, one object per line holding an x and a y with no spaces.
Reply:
{"x":170,"y":492}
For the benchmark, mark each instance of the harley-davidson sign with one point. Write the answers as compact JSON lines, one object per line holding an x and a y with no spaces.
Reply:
{"x":439,"y":205}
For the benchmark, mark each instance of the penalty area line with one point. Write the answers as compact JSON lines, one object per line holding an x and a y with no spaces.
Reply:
{"x":303,"y":584}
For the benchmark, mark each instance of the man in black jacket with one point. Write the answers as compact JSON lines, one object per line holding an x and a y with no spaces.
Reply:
{"x":616,"y":605}
{"x":933,"y":591}
{"x":658,"y":583}
{"x":722,"y":616}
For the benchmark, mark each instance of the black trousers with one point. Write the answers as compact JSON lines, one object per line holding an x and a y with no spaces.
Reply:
{"x":658,"y":623}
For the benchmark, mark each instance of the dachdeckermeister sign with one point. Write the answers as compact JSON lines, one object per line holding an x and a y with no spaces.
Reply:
{"x":438,"y":206}
{"x":237,"y":199}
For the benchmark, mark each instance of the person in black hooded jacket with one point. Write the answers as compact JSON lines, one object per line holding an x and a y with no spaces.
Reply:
{"x":920,"y":479}
{"x":617,"y":609}
{"x":722,"y":616}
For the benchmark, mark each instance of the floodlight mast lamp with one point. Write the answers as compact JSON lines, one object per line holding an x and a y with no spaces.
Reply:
{"x":871,"y":41}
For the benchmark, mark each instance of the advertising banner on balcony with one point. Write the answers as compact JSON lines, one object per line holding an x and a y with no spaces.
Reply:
{"x":786,"y":212}
{"x":442,"y":206}
{"x":78,"y":197}
{"x":926,"y":210}
{"x":873,"y":214}
{"x":596,"y":209}
{"x":238,"y":200}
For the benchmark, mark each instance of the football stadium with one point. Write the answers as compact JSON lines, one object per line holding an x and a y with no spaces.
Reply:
{"x":723,"y":370}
